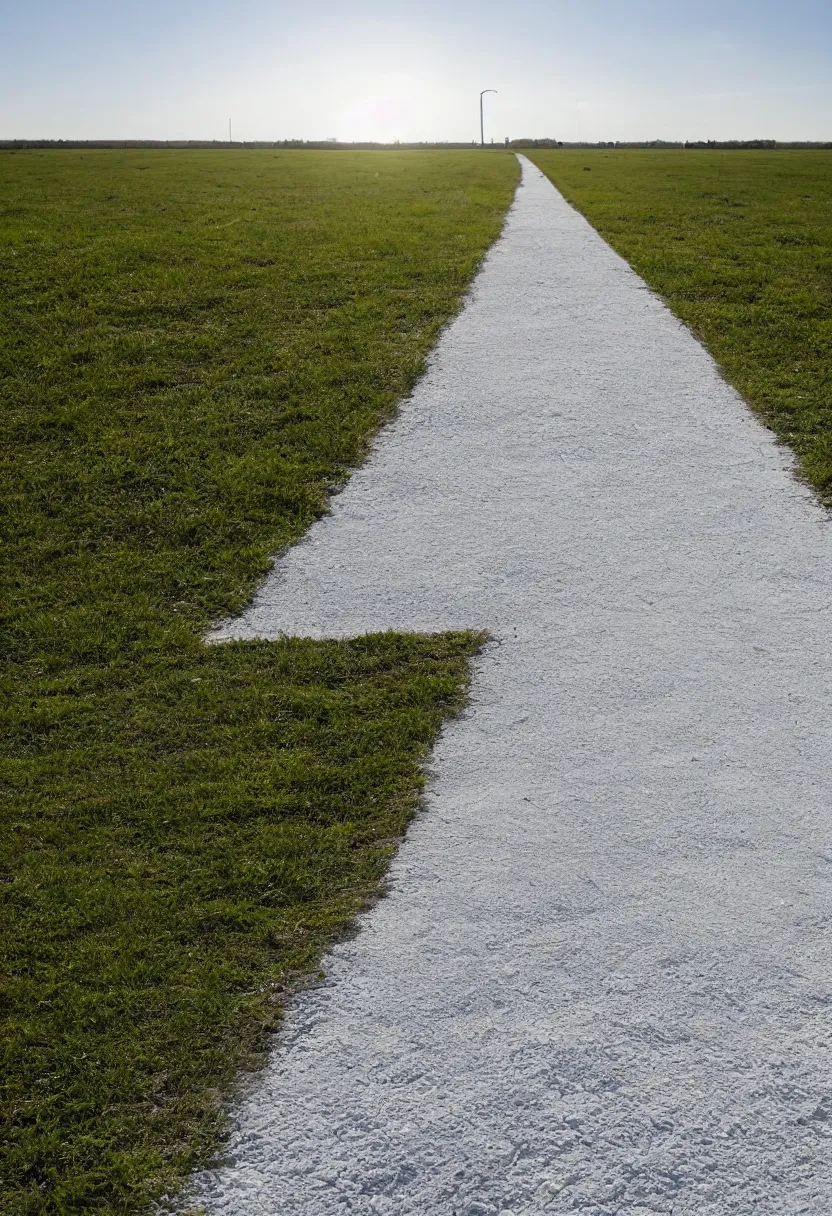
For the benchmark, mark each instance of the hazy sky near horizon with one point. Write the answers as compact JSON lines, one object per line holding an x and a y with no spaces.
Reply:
{"x":595,"y":69}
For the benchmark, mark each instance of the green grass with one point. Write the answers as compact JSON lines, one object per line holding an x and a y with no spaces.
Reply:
{"x":739,"y":244}
{"x":196,"y":347}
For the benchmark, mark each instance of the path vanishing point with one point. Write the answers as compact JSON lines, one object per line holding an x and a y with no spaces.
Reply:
{"x":603,"y":980}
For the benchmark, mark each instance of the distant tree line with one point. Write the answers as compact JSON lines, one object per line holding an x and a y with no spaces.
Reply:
{"x":618,"y":143}
{"x":728,"y":144}
{"x":667,"y":143}
{"x":219,"y":143}
{"x":536,"y":143}
{"x":312,"y":144}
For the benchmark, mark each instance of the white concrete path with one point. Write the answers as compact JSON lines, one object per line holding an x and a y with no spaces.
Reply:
{"x":603,"y":983}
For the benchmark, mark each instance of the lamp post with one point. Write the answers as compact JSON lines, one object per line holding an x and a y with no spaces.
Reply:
{"x":482,"y":130}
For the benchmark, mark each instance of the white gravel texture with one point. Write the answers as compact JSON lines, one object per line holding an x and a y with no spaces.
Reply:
{"x":603,"y":981}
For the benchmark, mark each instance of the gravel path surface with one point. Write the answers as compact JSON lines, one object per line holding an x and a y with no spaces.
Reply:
{"x":603,"y":981}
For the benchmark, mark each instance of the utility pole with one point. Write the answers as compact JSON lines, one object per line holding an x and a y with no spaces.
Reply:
{"x":482,"y":129}
{"x":229,"y":130}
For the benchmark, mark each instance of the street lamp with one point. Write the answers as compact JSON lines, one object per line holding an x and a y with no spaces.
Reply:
{"x":482,"y":132}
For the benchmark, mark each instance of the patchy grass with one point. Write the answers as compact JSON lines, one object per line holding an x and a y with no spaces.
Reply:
{"x":739,"y":244}
{"x":196,"y":349}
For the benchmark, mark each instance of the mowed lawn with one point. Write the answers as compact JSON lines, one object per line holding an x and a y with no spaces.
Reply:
{"x":196,"y":347}
{"x":739,"y":244}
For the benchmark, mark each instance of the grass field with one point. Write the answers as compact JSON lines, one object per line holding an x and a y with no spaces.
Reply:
{"x":195,"y":349}
{"x":739,"y":244}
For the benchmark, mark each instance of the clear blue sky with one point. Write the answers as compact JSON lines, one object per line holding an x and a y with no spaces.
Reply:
{"x":360,"y":69}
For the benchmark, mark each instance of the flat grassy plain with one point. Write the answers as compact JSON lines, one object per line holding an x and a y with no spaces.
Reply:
{"x":739,"y":244}
{"x":196,"y":348}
